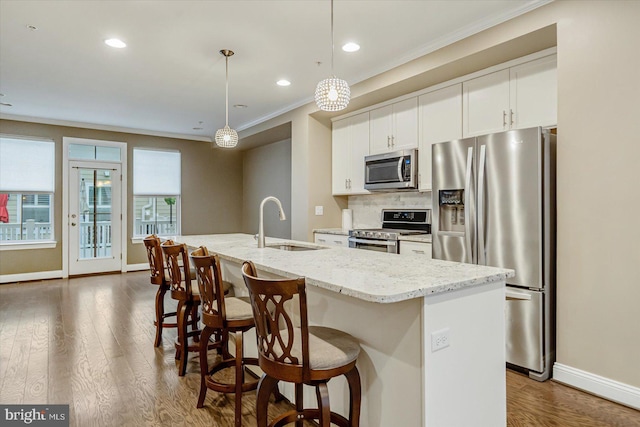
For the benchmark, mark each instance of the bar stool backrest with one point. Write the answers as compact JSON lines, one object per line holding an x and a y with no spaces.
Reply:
{"x":156,"y":260}
{"x":209,"y":276}
{"x":283,"y":348}
{"x":177,"y":260}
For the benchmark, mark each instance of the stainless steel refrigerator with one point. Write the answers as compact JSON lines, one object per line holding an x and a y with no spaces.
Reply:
{"x":494,"y":204}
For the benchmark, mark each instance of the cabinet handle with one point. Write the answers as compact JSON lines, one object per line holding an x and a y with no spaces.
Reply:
{"x":388,"y":142}
{"x":338,"y":242}
{"x":321,"y":240}
{"x":349,"y":184}
{"x":346,"y":184}
{"x":393,"y":141}
{"x":511,"y":116}
{"x":418,"y":251}
{"x":504,"y":119}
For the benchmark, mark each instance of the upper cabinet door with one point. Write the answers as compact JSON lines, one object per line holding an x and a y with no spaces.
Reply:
{"x":394,"y":127}
{"x":359,"y":128}
{"x":405,"y":125}
{"x":380,"y":129}
{"x":486,"y":104}
{"x":440,"y":119}
{"x":349,"y":146}
{"x":534,"y":93}
{"x":340,"y":156}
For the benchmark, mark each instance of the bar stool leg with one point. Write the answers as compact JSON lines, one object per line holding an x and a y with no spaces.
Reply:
{"x":159,"y":314}
{"x":239,"y":378}
{"x":324,"y":409}
{"x":355,"y":393}
{"x":265,"y":388}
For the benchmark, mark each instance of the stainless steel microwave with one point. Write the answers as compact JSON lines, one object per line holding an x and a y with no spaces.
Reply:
{"x":391,"y":171}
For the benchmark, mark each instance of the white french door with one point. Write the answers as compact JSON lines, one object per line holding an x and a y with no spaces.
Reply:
{"x":95,"y":217}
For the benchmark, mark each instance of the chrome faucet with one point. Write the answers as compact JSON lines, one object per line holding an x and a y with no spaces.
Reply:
{"x":261,"y":225}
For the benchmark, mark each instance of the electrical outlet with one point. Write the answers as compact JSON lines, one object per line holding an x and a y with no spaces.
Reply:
{"x":440,"y":339}
{"x":319,"y":210}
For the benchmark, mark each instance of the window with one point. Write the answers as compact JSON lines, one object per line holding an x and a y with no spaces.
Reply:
{"x":27,"y":183}
{"x":156,"y":192}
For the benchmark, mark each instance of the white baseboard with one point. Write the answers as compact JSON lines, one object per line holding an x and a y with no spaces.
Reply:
{"x":600,"y":386}
{"x":138,"y":267}
{"x":27,"y":277}
{"x":56,"y":274}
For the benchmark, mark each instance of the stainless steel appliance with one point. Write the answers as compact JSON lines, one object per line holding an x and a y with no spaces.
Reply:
{"x":494,"y":198}
{"x":391,"y":171}
{"x":395,"y":223}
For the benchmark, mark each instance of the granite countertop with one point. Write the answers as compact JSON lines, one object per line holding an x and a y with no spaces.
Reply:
{"x":419,"y":238}
{"x":367,"y":275}
{"x":337,"y":231}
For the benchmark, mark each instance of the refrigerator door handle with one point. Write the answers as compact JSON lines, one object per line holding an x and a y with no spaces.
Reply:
{"x":467,"y":193}
{"x":517,"y":295}
{"x":481,"y":249}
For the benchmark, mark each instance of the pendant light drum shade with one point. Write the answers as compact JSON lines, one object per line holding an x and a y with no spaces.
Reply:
{"x":226,"y":137}
{"x":332,"y":94}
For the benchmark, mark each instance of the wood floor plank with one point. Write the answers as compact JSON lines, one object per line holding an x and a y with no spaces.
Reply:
{"x":88,"y":342}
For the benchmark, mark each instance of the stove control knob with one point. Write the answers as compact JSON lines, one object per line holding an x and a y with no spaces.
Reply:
{"x":386,"y":235}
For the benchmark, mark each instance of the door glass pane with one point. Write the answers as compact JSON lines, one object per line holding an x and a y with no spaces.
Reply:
{"x":95,"y":212}
{"x":108,"y":153}
{"x":94,"y":152}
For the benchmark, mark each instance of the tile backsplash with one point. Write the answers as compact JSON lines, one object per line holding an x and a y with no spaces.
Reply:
{"x":367,"y":208}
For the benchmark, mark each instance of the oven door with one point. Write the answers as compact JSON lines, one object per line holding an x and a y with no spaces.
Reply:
{"x":390,"y":246}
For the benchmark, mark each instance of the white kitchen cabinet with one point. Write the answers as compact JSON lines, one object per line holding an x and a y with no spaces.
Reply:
{"x":415,"y":248}
{"x":439,"y":120}
{"x":486,"y":104}
{"x":394,"y":127}
{"x":350,"y":144}
{"x":515,"y":98}
{"x":534,"y":93}
{"x":331,"y":239}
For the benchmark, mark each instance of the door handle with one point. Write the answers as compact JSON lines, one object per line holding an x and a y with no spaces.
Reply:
{"x":517,"y":295}
{"x":73,"y":224}
{"x":467,"y":192}
{"x":481,"y":248}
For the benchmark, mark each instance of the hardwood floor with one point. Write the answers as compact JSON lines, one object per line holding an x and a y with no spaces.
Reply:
{"x":88,"y":342}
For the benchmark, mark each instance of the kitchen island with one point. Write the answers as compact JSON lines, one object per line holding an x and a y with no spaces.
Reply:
{"x":401,"y":309}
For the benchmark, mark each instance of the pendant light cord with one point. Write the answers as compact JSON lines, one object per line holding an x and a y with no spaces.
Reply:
{"x":332,"y":48}
{"x":226,"y":58}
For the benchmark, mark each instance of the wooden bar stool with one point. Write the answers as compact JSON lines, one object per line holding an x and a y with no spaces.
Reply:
{"x":157,"y":271}
{"x":222,"y":316}
{"x":310,"y":355}
{"x":188,"y":297}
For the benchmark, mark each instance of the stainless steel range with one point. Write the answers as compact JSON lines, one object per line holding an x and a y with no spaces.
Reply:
{"x":395,"y":223}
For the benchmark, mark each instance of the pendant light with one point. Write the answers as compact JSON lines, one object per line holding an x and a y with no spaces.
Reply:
{"x":332,"y":94}
{"x":226,"y":137}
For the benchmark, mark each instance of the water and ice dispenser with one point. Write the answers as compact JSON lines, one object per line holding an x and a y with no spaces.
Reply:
{"x":451,"y":214}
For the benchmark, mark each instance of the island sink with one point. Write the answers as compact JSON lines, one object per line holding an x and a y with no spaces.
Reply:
{"x":293,"y":247}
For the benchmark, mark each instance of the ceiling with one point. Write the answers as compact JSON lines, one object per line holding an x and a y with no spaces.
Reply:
{"x":170,"y":79}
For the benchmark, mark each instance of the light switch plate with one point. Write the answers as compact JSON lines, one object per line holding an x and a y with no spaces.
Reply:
{"x":319,"y":210}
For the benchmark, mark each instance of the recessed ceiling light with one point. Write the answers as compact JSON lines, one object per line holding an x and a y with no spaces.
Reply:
{"x":240,"y":106}
{"x":117,"y":43}
{"x":283,"y":82}
{"x":351,"y":47}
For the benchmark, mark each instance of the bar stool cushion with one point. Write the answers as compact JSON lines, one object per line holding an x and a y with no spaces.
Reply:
{"x":238,"y":308}
{"x":328,"y":348}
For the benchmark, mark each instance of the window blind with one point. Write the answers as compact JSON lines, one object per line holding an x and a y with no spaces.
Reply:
{"x":156,"y":173}
{"x":27,"y":165}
